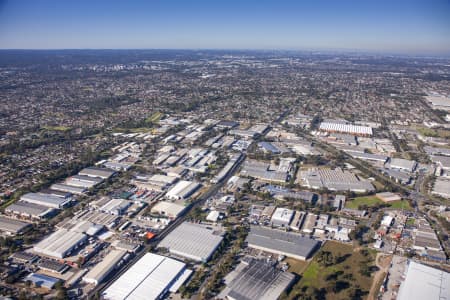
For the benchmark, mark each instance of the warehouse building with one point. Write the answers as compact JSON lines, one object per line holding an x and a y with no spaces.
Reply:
{"x":182,"y":190}
{"x":46,"y":200}
{"x":193,"y":241}
{"x":282,"y":243}
{"x":335,"y":180}
{"x":98,"y":273}
{"x":424,"y":282}
{"x":403,"y":164}
{"x":256,"y":280}
{"x":68,"y":188}
{"x":97,"y":172}
{"x":13,"y":227}
{"x":441,"y":188}
{"x":83,"y":181}
{"x":60,"y":243}
{"x":345,"y":128}
{"x":29,"y":210}
{"x":151,"y":277}
{"x":282,"y":217}
{"x":169,"y":209}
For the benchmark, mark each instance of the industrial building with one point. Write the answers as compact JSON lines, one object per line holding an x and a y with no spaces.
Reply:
{"x":60,"y":243}
{"x":68,"y":188}
{"x":115,"y":206}
{"x":29,"y":210}
{"x":335,"y":180}
{"x":13,"y":227}
{"x":346,"y":128}
{"x":46,"y":200}
{"x":97,"y":172}
{"x":83,"y":181}
{"x":256,"y":280}
{"x":403,"y":164}
{"x":282,"y":217}
{"x":193,"y":241}
{"x":169,"y":209}
{"x":441,"y":188}
{"x":282,"y":243}
{"x":235,"y":159}
{"x":98,"y":273}
{"x":151,"y":277}
{"x":263,"y":171}
{"x":41,"y":280}
{"x":424,"y":282}
{"x":182,"y":190}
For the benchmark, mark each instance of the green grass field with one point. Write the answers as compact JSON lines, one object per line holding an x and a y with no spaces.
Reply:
{"x":369,"y":201}
{"x":400,"y":204}
{"x":56,"y":128}
{"x":340,"y":280}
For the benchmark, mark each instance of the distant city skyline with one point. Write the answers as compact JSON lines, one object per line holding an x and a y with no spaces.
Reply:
{"x":409,"y":27}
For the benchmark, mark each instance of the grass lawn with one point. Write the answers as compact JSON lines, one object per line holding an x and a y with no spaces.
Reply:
{"x":296,"y":266}
{"x":341,"y":279}
{"x":368,"y":200}
{"x":154,"y":118}
{"x":410,"y":221}
{"x":56,"y":128}
{"x":400,"y":204}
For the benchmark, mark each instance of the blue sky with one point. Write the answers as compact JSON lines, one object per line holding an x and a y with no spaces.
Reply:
{"x":414,"y":26}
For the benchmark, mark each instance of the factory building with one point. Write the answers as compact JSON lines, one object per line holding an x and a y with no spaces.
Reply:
{"x":345,"y":128}
{"x":182,"y":190}
{"x":46,"y":200}
{"x":28,"y":210}
{"x":13,"y":227}
{"x":282,"y":217}
{"x":256,"y":279}
{"x":193,"y":241}
{"x":335,"y":180}
{"x":83,"y":181}
{"x":151,"y":277}
{"x":60,"y":243}
{"x":403,"y":164}
{"x":68,"y":188}
{"x":424,"y":282}
{"x":282,"y":243}
{"x":98,"y":273}
{"x":169,"y":209}
{"x":97,"y":172}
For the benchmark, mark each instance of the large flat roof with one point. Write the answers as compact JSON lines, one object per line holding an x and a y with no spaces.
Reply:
{"x":277,"y":241}
{"x":11,"y":225}
{"x":423,"y":282}
{"x":149,"y":278}
{"x":59,"y":243}
{"x":193,"y":241}
{"x":257,"y":280}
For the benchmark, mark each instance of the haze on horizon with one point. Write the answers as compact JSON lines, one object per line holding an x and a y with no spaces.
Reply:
{"x":410,"y":27}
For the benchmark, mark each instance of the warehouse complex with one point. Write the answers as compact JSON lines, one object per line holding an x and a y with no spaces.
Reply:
{"x":423,"y":282}
{"x":280,"y":242}
{"x":104,"y":268}
{"x":151,"y":277}
{"x":256,"y":279}
{"x":182,"y":190}
{"x":193,"y":241}
{"x":13,"y":227}
{"x":335,"y":180}
{"x":29,"y":210}
{"x":60,"y":244}
{"x":346,"y":128}
{"x":46,"y":200}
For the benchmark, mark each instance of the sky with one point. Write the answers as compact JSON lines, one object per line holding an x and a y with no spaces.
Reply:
{"x":396,"y":26}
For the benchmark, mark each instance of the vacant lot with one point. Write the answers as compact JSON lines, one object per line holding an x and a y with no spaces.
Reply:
{"x":400,"y":204}
{"x":336,"y":272}
{"x":368,"y":201}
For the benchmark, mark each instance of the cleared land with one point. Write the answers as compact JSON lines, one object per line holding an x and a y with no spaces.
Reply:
{"x":336,"y":272}
{"x":368,"y":201}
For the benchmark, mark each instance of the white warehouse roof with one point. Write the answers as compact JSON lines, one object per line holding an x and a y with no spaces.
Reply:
{"x":149,"y":278}
{"x":103,"y":268}
{"x":60,"y":243}
{"x":423,"y":282}
{"x":182,"y":190}
{"x":345,"y":128}
{"x":193,"y":241}
{"x":45,"y":200}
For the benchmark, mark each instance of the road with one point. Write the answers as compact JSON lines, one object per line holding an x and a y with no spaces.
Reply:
{"x":212,"y":190}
